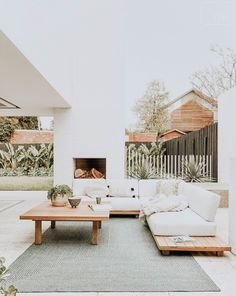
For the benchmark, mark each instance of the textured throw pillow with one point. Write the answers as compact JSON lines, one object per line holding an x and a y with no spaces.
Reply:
{"x":98,"y":191}
{"x":168,"y":187}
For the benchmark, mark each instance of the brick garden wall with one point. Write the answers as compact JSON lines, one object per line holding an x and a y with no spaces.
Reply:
{"x":31,"y":137}
{"x":142,"y":137}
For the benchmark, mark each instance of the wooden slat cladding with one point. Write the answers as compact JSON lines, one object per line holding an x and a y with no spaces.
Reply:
{"x":201,"y":142}
{"x":191,"y":116}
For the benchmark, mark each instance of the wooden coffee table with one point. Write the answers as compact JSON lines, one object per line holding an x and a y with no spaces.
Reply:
{"x":46,"y":212}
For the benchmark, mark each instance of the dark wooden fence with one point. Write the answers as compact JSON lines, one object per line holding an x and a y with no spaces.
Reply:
{"x":201,"y":142}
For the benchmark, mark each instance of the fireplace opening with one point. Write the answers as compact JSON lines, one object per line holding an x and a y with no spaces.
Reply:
{"x":90,"y":168}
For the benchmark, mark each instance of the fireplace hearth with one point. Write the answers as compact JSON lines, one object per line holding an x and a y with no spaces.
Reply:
{"x":89,"y":168}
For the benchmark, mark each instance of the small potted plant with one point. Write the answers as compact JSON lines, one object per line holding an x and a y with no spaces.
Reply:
{"x":4,"y":273}
{"x":59,"y":195}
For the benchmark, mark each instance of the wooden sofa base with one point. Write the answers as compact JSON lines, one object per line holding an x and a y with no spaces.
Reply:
{"x":210,"y":244}
{"x":131,"y":213}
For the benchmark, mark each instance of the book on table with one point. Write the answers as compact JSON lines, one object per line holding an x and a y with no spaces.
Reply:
{"x":182,"y":239}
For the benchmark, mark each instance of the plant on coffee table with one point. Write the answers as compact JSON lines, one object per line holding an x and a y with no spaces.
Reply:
{"x":59,"y":194}
{"x":4,"y":273}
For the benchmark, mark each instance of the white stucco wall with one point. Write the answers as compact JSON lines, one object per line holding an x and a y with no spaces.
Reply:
{"x":23,"y":85}
{"x":226,"y":134}
{"x":95,"y":125}
{"x":79,"y":49}
{"x":232,"y":205}
{"x":42,"y":30}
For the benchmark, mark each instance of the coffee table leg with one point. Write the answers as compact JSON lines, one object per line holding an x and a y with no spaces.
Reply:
{"x":100,"y":224}
{"x":38,"y":232}
{"x":53,"y":224}
{"x":95,"y":233}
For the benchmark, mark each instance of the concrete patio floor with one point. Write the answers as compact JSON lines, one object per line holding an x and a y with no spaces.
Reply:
{"x":16,"y":236}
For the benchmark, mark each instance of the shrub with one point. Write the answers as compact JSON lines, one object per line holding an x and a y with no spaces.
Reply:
{"x":194,"y":172}
{"x":4,"y":273}
{"x":26,"y":160}
{"x":7,"y":128}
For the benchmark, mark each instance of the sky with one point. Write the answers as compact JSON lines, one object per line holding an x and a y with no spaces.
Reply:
{"x":170,"y":40}
{"x":46,"y":122}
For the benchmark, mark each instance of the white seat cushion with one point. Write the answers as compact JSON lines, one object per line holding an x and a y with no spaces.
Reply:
{"x":185,"y":222}
{"x":125,"y":204}
{"x":118,"y":203}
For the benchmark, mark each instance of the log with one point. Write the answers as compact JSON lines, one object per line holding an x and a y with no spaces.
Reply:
{"x":96,"y":174}
{"x":91,"y":174}
{"x":79,"y":173}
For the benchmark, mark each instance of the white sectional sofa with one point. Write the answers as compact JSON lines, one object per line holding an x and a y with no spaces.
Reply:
{"x":196,"y":220}
{"x":128,"y":195}
{"x":122,"y":193}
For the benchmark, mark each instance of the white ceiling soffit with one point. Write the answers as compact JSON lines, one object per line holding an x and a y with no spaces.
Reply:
{"x":4,"y":104}
{"x":23,"y":84}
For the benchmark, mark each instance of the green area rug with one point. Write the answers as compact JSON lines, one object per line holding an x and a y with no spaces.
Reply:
{"x":126,"y":259}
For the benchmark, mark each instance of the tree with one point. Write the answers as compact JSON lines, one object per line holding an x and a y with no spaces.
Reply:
{"x":150,"y":109}
{"x":9,"y":124}
{"x":27,"y":122}
{"x":215,"y":80}
{"x":7,"y":127}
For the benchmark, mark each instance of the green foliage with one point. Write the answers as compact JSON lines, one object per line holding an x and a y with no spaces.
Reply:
{"x":27,"y":122}
{"x":46,"y":155}
{"x":8,"y":172}
{"x":59,"y":191}
{"x":30,"y":161}
{"x":9,"y":124}
{"x":156,"y":149}
{"x":7,"y":127}
{"x":143,"y":171}
{"x":27,"y":159}
{"x":4,"y":273}
{"x":10,"y":157}
{"x":150,"y":109}
{"x":39,"y":172}
{"x":194,"y":171}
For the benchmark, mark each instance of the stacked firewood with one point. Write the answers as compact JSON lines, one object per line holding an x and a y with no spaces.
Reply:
{"x":88,"y":174}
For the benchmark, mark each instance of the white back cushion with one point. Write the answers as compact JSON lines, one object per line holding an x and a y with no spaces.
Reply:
{"x":122,"y":187}
{"x":80,"y":185}
{"x":148,"y":188}
{"x":201,"y":201}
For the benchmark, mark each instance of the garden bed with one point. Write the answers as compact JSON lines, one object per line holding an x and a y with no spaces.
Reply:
{"x":24,"y":183}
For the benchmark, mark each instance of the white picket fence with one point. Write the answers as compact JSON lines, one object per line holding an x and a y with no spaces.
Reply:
{"x":166,"y":166}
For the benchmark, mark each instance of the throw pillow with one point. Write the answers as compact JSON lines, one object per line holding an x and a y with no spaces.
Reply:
{"x":168,"y":187}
